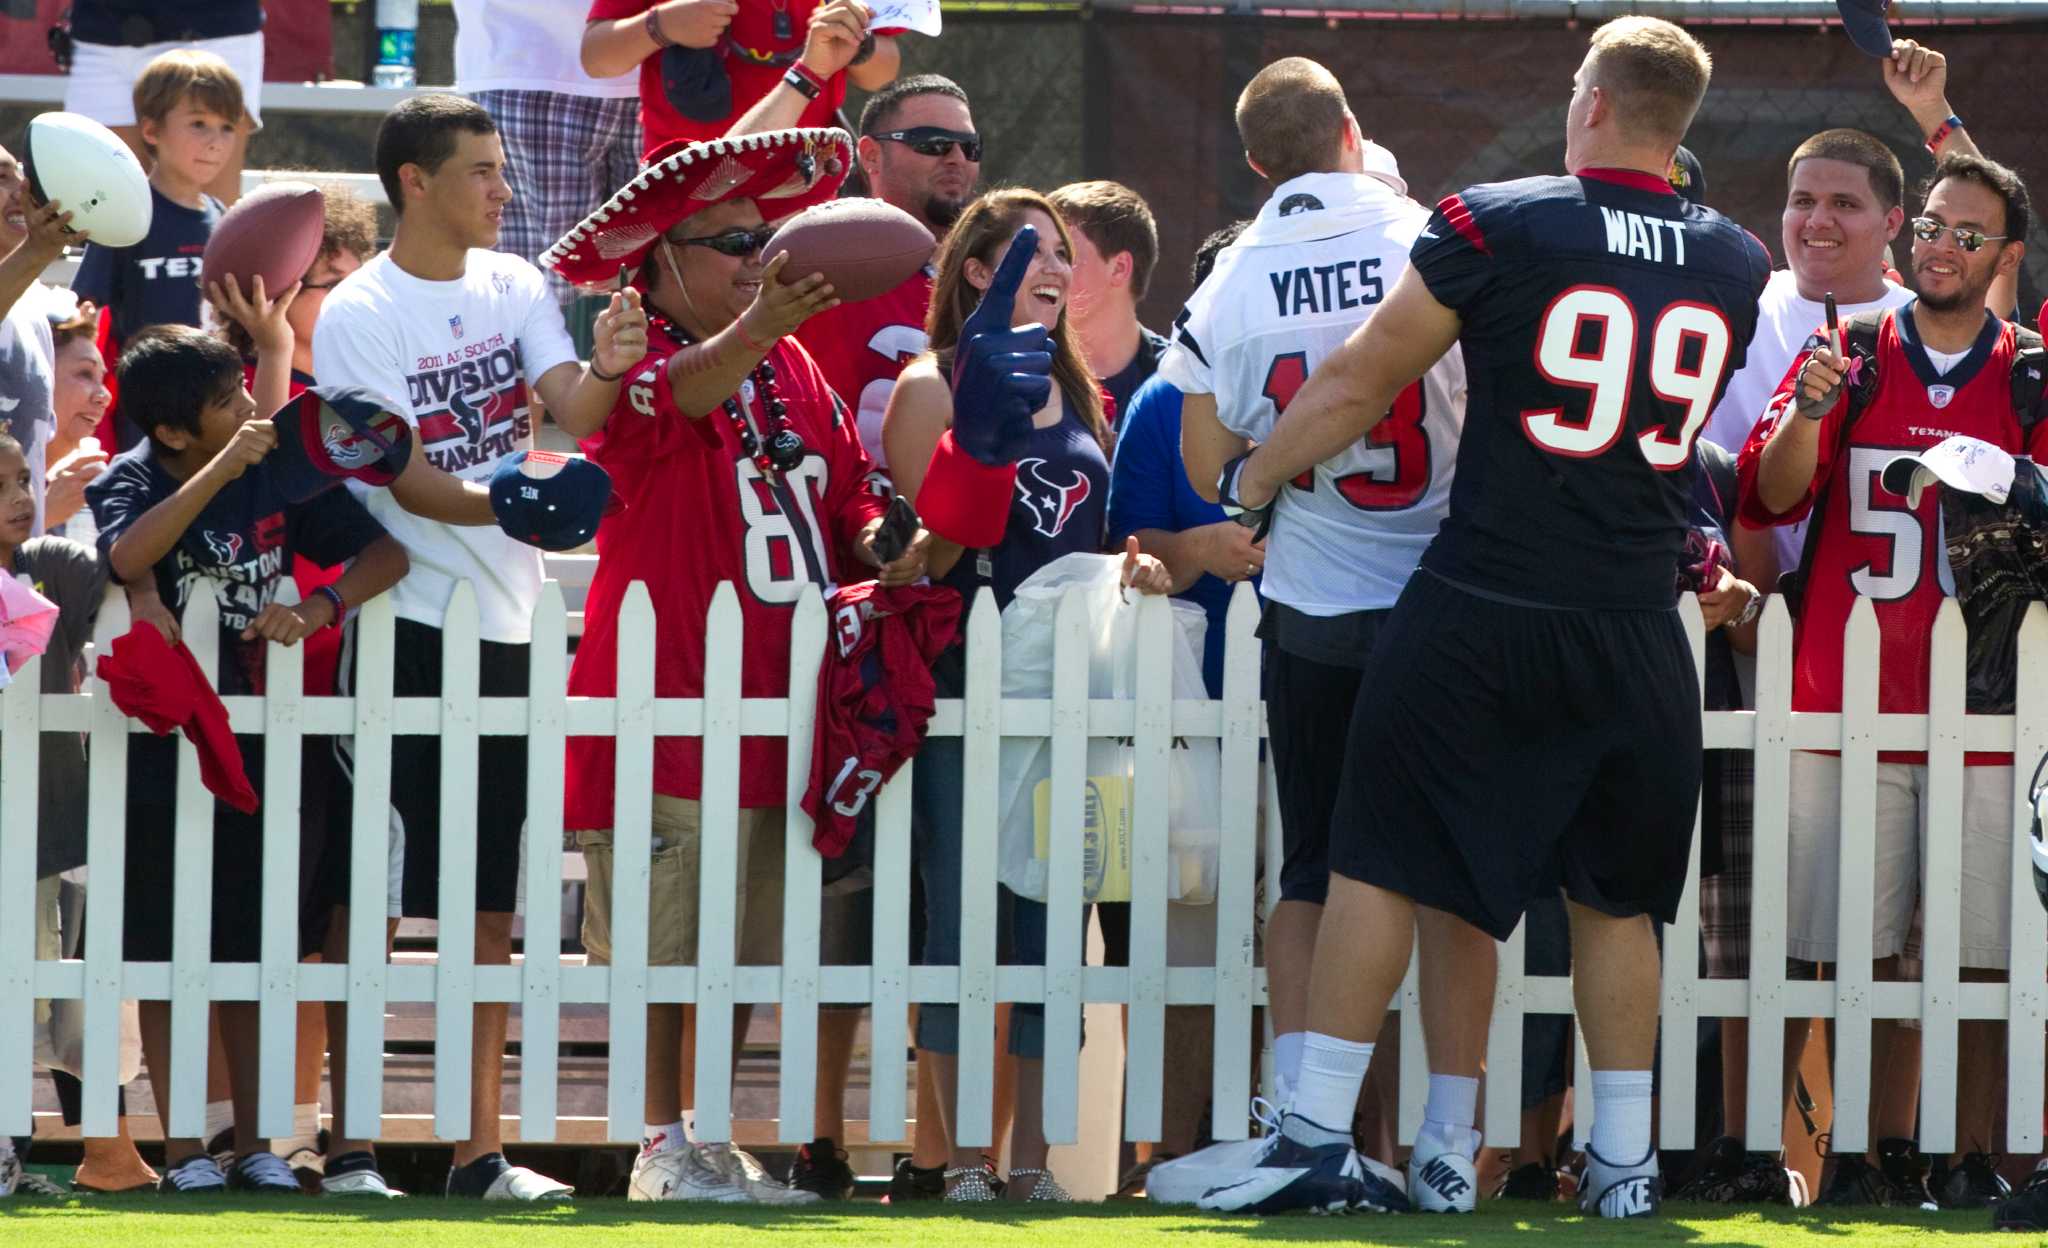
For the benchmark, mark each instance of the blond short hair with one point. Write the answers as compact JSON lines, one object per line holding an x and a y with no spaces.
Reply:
{"x":188,"y":74}
{"x":1292,"y":117}
{"x":1656,"y":72}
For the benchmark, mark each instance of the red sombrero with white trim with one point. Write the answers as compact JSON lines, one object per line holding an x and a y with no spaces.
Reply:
{"x":786,"y":171}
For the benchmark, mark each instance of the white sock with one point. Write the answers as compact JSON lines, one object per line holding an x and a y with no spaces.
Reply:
{"x":1448,"y":1117}
{"x":690,"y":1125}
{"x":6,"y":1147}
{"x":306,"y":1122}
{"x":1287,"y":1056}
{"x":1332,"y":1072}
{"x":220,"y":1116}
{"x":1621,"y":1116}
{"x":660,"y":1137}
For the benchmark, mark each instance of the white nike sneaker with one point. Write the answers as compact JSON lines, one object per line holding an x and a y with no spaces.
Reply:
{"x":1621,"y":1191}
{"x":1445,"y":1183}
{"x":358,"y":1183}
{"x":1184,"y":1180}
{"x":682,"y":1173}
{"x":741,"y":1168}
{"x":10,"y":1172}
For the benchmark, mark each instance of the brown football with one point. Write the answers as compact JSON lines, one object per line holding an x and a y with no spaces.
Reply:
{"x":864,"y":247}
{"x":274,"y":231}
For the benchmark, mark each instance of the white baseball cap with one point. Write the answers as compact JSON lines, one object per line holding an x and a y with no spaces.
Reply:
{"x":1971,"y":465}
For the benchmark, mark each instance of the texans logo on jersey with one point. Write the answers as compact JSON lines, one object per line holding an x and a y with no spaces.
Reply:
{"x":470,"y":416}
{"x":226,"y":548}
{"x":1051,"y":502}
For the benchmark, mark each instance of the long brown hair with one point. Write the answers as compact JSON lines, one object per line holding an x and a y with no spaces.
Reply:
{"x":981,"y":233}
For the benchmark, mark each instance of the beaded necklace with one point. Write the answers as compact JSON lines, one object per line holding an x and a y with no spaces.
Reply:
{"x":783,"y":448}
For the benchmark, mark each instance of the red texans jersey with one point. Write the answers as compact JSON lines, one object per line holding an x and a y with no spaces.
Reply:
{"x":874,"y":697}
{"x":1870,"y":543}
{"x":698,"y":511}
{"x":863,"y":346}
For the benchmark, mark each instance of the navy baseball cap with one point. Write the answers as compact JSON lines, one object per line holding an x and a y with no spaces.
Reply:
{"x":1864,"y":20}
{"x":550,"y":500}
{"x":331,"y":433}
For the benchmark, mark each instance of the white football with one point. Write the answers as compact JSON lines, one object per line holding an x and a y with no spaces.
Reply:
{"x":86,"y":167}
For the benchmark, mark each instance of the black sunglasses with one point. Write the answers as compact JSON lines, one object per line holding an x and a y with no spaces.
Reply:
{"x":1927,"y":229}
{"x":936,"y":141}
{"x":735,"y":243}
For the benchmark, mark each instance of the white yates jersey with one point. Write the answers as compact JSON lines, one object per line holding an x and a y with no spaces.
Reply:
{"x":1322,"y":254}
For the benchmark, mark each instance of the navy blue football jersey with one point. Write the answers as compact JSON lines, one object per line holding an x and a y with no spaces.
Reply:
{"x":1603,"y":315}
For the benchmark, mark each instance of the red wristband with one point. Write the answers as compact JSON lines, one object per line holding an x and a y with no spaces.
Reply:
{"x":964,"y":500}
{"x":1941,"y":133}
{"x":809,"y":75}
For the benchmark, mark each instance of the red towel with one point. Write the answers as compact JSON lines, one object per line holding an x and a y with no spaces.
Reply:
{"x":161,"y":685}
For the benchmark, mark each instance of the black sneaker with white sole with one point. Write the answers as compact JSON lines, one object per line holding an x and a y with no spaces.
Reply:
{"x":1976,"y":1184}
{"x":2026,"y":1209}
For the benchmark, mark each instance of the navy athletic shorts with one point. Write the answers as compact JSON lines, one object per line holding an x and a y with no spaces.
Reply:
{"x":1501,"y":750}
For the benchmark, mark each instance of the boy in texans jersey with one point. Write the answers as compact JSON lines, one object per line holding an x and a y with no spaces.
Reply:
{"x":1942,"y":366}
{"x":1530,"y":718}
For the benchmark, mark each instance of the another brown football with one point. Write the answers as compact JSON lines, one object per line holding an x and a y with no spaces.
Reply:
{"x":864,"y":247}
{"x":273,"y":231}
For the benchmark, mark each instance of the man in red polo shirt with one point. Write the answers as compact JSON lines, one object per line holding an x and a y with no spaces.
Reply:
{"x":704,"y":63}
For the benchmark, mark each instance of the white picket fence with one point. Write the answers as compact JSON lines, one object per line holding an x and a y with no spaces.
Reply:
{"x":543,"y":982}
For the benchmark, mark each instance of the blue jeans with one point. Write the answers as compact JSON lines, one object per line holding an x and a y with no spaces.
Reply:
{"x":938,"y":790}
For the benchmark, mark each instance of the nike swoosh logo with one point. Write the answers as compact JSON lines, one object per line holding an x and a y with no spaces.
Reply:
{"x":1428,"y":234}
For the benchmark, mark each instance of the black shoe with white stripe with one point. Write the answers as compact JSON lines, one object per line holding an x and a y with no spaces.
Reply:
{"x":1616,"y":1191}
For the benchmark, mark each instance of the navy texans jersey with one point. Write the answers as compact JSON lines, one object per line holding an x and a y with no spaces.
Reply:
{"x":1603,"y":315}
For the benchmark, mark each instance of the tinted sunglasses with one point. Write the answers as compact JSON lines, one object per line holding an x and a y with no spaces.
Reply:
{"x":935,"y":141}
{"x":1927,"y":229}
{"x":738,"y":244}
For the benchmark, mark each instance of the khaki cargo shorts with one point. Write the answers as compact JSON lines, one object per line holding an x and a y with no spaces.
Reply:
{"x":673,"y":887}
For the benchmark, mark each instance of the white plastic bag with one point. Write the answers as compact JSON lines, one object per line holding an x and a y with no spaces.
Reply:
{"x":1023,"y":789}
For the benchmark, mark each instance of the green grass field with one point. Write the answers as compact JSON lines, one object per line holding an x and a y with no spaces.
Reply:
{"x":205,"y":1222}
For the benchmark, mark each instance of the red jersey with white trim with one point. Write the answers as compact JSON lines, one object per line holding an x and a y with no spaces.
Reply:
{"x":698,"y":511}
{"x":863,"y":346}
{"x":1870,"y":542}
{"x":875,"y":694}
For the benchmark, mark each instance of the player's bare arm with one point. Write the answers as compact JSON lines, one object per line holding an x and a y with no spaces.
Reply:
{"x":1786,"y":469}
{"x":920,"y":409}
{"x":1353,"y":389}
{"x":1205,"y":445}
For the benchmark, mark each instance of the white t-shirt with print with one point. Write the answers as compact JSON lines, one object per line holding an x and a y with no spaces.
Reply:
{"x":528,"y":45}
{"x":1784,"y":321}
{"x":456,"y":359}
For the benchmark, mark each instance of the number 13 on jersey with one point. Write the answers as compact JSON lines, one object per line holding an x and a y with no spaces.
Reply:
{"x":1588,"y":341}
{"x":1395,"y":451}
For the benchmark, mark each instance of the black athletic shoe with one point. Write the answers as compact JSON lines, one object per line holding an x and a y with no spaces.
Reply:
{"x":1905,"y":1173}
{"x":1976,"y":1184}
{"x":913,"y":1183}
{"x":1854,"y":1183}
{"x":821,"y":1167}
{"x":2027,"y":1210}
{"x":1535,"y":1181}
{"x":1728,"y":1174}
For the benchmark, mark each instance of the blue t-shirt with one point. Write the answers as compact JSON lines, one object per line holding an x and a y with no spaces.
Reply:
{"x":1149,"y":489}
{"x":156,"y":281}
{"x":242,"y":543}
{"x":1059,"y":507}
